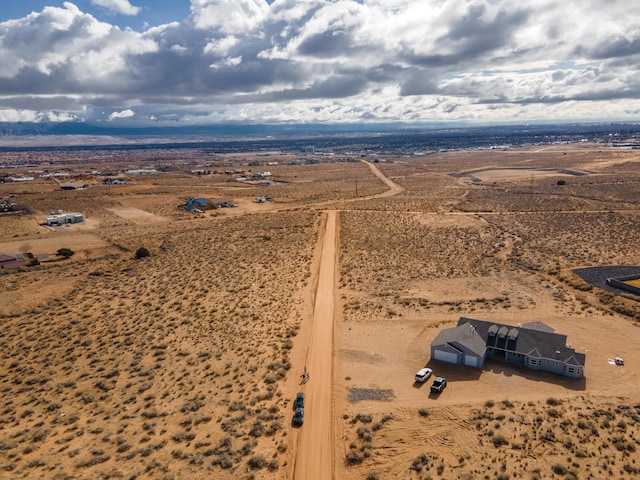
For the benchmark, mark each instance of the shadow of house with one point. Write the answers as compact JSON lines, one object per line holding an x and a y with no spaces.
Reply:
{"x":499,"y":367}
{"x":534,"y":345}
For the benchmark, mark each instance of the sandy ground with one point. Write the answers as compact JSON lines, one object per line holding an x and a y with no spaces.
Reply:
{"x":137,"y":215}
{"x":65,"y":238}
{"x":501,"y":174}
{"x":196,"y":380}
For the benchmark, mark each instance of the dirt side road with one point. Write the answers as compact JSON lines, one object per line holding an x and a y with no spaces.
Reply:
{"x":314,"y":459}
{"x":394,"y":188}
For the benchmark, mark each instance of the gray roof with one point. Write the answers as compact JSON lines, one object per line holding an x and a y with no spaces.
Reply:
{"x":538,"y":326}
{"x":462,"y":337}
{"x":540,"y":341}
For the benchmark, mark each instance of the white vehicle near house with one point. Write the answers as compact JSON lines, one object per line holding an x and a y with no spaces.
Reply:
{"x":423,"y":375}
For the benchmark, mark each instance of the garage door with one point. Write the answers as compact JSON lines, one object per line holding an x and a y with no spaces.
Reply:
{"x":471,"y":360}
{"x":445,"y":356}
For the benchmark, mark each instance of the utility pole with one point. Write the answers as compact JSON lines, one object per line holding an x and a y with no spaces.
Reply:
{"x":531,"y":187}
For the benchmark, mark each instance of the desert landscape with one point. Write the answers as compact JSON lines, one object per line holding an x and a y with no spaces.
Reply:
{"x":184,"y":364}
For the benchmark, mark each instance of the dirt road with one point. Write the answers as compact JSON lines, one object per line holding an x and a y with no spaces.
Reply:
{"x":314,"y":459}
{"x":394,"y":188}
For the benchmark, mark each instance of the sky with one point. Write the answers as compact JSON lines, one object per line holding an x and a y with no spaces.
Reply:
{"x":200,"y":62}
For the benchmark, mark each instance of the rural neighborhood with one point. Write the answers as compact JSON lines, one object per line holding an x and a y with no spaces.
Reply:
{"x":179,"y":323}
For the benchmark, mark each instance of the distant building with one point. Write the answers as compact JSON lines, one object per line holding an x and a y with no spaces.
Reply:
{"x":142,"y":171}
{"x":533,"y":345}
{"x":73,"y":186}
{"x":6,"y":203}
{"x":221,"y":203}
{"x":10,"y":261}
{"x":195,"y":203}
{"x":42,"y":257}
{"x":18,"y":179}
{"x":59,"y":219}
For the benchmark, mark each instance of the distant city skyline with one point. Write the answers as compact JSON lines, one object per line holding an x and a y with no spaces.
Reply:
{"x":178,"y":63}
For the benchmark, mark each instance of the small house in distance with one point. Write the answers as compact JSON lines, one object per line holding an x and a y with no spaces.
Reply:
{"x":59,"y":219}
{"x":195,"y":203}
{"x":198,"y":205}
{"x":73,"y":186}
{"x":10,"y":261}
{"x":114,"y":181}
{"x":533,"y":345}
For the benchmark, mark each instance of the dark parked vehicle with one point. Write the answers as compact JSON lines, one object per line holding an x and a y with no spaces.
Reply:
{"x":298,"y":417}
{"x":438,"y":385}
{"x":299,"y":401}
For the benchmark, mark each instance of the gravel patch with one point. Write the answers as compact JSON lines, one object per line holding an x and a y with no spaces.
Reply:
{"x":377,"y":394}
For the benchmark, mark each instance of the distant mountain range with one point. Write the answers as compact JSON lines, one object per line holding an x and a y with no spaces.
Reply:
{"x":221,"y":130}
{"x":81,"y":128}
{"x":277,"y":136}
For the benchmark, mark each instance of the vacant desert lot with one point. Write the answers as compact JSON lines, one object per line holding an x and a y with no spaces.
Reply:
{"x":184,"y":364}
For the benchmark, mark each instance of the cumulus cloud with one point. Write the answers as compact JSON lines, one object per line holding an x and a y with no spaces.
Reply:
{"x":128,"y":113}
{"x":12,"y":116}
{"x":327,"y":60}
{"x":62,"y":49}
{"x":228,"y":16}
{"x":119,"y":6}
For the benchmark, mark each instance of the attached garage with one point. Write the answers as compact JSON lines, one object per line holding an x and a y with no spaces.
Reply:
{"x":470,"y":360}
{"x":443,"y":356}
{"x":460,"y":345}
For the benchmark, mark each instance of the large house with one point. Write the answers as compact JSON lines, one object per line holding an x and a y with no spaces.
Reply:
{"x":534,"y":345}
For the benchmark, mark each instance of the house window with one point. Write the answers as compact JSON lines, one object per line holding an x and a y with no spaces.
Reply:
{"x":571,"y":370}
{"x":533,"y":362}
